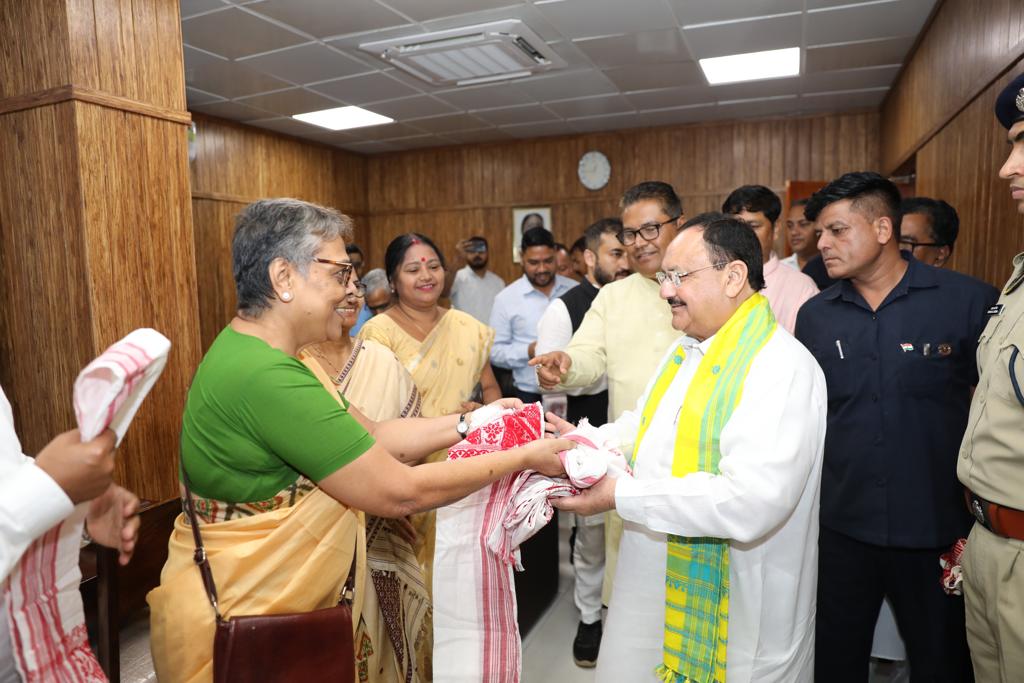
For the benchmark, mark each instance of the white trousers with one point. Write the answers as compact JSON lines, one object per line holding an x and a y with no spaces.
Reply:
{"x":588,"y":565}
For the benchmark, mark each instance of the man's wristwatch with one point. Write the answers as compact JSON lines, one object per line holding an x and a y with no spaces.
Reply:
{"x":463,"y":427}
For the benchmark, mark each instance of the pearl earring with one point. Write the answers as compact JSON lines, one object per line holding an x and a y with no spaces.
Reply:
{"x":286,"y":296}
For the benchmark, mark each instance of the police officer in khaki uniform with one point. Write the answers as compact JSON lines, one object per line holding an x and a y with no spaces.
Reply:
{"x":991,"y":463}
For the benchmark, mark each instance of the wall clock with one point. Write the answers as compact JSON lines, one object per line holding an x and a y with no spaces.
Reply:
{"x":594,"y":170}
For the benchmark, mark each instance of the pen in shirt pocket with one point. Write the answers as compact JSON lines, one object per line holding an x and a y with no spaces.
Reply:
{"x":839,"y":348}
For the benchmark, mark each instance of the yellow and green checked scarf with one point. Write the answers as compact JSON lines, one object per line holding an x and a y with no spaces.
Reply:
{"x":697,"y":569}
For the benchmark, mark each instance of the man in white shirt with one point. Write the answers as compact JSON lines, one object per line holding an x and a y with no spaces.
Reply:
{"x":730,"y":434}
{"x":802,"y":238}
{"x":38,"y":493}
{"x":606,"y":261}
{"x":786,"y":289}
{"x":473,"y":287}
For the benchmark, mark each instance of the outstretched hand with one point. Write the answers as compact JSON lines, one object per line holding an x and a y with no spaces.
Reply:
{"x":556,"y":426}
{"x":598,"y":498}
{"x":551,"y":368}
{"x":542,"y":456}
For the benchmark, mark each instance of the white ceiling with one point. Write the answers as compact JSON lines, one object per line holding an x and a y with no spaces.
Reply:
{"x":630,"y":64}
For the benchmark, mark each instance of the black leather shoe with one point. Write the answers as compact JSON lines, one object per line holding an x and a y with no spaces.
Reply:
{"x":587,"y":644}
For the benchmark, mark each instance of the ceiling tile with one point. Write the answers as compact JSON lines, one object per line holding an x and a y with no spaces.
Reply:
{"x":449,"y":123}
{"x":196,"y":58}
{"x":231,"y":79}
{"x":485,"y":96}
{"x":784,"y":105}
{"x":412,"y":107}
{"x":196,"y":97}
{"x":233,"y":110}
{"x":418,"y":10}
{"x":567,"y":84}
{"x":386,"y":131}
{"x":844,"y":100}
{"x":862,"y":22}
{"x":306,"y":64}
{"x":574,"y":57}
{"x":850,"y":79}
{"x":650,"y":76}
{"x":288,"y":126}
{"x":586,"y":18}
{"x":611,"y":122}
{"x":672,"y":97}
{"x":477,"y":136}
{"x":322,"y":18}
{"x":855,"y":55}
{"x":744,"y":36}
{"x":591,"y":106}
{"x":645,"y":47}
{"x":190,"y":7}
{"x":359,"y":90}
{"x":674,"y":115}
{"x":690,"y":12}
{"x":418,"y":142}
{"x":529,"y":130}
{"x":235,"y":33}
{"x":819,"y":4}
{"x":526,"y":113}
{"x":290,"y":102}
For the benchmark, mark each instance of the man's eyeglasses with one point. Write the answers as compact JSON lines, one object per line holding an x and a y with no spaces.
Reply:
{"x":676,"y":277}
{"x":911,"y":245}
{"x":343,"y":275}
{"x":649,"y":231}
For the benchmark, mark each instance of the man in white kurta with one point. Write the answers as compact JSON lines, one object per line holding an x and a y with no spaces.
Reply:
{"x":764,"y":499}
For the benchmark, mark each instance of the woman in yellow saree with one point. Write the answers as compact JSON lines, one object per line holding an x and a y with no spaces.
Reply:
{"x":282,"y":470}
{"x":397,"y":615}
{"x":446,"y":351}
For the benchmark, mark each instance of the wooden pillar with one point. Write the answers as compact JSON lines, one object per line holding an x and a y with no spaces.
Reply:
{"x":95,"y":217}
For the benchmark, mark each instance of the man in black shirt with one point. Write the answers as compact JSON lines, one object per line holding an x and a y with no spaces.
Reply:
{"x":896,"y":339}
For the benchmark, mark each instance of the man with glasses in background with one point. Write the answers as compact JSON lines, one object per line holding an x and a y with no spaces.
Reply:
{"x":628,"y":327}
{"x":928,"y":229}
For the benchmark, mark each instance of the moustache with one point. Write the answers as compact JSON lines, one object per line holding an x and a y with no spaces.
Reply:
{"x":675,"y":301}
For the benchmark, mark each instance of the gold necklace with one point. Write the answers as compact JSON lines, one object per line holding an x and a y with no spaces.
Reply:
{"x":336,"y":378}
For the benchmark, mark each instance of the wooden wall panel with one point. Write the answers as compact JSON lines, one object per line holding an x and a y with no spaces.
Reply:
{"x":967,"y":45}
{"x":44,"y":304}
{"x":450,"y":193}
{"x":960,"y":165}
{"x":237,"y":164}
{"x":137,"y":234}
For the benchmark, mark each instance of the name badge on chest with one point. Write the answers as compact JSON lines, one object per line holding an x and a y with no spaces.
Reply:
{"x":997,"y":309}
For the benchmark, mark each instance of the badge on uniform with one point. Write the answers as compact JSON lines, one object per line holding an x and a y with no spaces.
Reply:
{"x":906,"y":347}
{"x":1014,"y":282}
{"x":995,"y":310}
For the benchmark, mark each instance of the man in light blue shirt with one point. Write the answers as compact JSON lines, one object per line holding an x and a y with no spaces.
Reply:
{"x":518,"y":307}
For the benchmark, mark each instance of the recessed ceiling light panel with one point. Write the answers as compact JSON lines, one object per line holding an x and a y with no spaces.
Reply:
{"x":752,"y":66}
{"x":342,"y":118}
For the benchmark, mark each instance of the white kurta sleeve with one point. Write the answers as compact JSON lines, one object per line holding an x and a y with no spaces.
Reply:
{"x":31,"y":503}
{"x":769,"y":448}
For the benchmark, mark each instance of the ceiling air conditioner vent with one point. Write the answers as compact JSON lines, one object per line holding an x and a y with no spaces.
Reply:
{"x":473,"y":54}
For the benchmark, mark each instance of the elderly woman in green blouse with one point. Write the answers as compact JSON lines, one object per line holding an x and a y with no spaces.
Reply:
{"x":281,"y":469}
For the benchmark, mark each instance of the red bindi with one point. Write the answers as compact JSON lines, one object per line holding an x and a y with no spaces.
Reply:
{"x":423,"y":259}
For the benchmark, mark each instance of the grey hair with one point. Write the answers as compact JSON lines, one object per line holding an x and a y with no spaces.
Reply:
{"x":269,"y":229}
{"x":374,"y":280}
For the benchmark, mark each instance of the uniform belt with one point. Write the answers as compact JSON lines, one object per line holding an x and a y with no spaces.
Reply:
{"x":998,"y":519}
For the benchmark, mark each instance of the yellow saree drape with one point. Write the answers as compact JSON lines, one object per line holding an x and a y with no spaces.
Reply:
{"x":292,"y":559}
{"x":446,"y":367}
{"x":397,"y":614}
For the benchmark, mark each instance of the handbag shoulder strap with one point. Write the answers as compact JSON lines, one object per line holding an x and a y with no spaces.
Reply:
{"x":201,"y":560}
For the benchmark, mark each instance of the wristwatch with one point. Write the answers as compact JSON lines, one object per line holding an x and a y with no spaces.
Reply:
{"x":463,"y":427}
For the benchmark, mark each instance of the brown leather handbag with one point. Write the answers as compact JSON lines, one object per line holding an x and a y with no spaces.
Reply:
{"x":307,"y":646}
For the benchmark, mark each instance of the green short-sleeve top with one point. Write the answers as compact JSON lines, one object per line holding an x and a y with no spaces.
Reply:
{"x":256,"y":418}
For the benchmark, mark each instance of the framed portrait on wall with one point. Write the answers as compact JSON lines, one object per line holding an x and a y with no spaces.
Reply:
{"x":523,"y":220}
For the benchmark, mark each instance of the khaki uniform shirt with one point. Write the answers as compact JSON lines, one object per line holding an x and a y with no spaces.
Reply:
{"x":991,"y":462}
